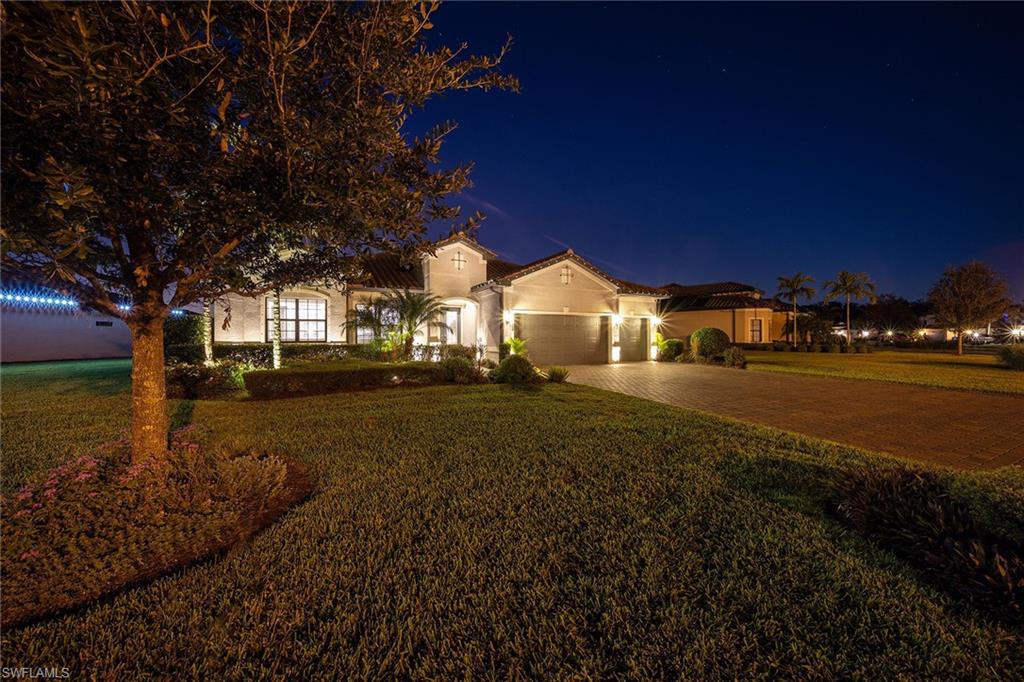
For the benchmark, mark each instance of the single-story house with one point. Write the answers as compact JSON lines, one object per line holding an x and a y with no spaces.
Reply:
{"x":737,"y":309}
{"x":568,"y":310}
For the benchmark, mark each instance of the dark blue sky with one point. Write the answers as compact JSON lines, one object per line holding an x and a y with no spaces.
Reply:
{"x":694,"y":142}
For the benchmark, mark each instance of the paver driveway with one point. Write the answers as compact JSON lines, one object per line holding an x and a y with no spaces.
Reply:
{"x":957,"y":428}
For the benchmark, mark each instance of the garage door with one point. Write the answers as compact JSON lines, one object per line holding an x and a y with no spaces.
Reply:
{"x":564,"y":339}
{"x":633,"y":340}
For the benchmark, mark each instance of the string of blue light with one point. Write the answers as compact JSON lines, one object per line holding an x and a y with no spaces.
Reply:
{"x":44,"y":298}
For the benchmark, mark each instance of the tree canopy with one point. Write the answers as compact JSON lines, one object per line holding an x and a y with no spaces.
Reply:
{"x":967,"y":296}
{"x":158,"y":154}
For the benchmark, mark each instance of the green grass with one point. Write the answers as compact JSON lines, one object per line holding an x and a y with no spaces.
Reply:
{"x":489,"y":531}
{"x":966,"y":372}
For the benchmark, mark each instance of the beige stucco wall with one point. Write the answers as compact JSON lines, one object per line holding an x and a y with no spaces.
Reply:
{"x":735,"y":323}
{"x":543,"y":291}
{"x":441,"y":278}
{"x":491,"y":321}
{"x":637,"y":306}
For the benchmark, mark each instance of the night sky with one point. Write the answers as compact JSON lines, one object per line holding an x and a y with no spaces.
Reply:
{"x":695,"y":143}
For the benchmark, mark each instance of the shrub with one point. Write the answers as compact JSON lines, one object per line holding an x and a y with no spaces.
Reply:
{"x":454,"y":350}
{"x":182,"y":330}
{"x":328,"y":377}
{"x":515,"y":369}
{"x":488,"y":363}
{"x":558,"y":375}
{"x":503,"y":350}
{"x":1012,"y":356}
{"x":670,"y":349}
{"x":707,"y":342}
{"x":200,"y":381}
{"x":685,"y":356}
{"x":862,"y":348}
{"x":785,"y":348}
{"x":912,"y":513}
{"x":833,"y":348}
{"x":802,"y":347}
{"x":184,"y":353}
{"x":735,"y":357}
{"x":460,"y":370}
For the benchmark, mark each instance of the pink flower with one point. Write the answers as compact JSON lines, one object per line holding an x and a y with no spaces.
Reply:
{"x":85,"y":476}
{"x":31,"y":554}
{"x":37,"y":505}
{"x":50,"y":493}
{"x":22,"y":513}
{"x":24,"y":494}
{"x":93,"y":494}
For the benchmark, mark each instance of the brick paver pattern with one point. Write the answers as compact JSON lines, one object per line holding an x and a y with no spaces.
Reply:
{"x":966,"y":430}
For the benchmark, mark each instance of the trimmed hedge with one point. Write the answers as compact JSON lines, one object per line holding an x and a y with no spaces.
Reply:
{"x":707,"y":342}
{"x":459,"y":370}
{"x":672,"y":348}
{"x":200,"y":382}
{"x":345,"y":375}
{"x":261,"y":354}
{"x":1012,"y":356}
{"x":186,"y":329}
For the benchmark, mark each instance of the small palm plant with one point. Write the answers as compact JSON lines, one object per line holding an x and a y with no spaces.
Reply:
{"x":413,"y":310}
{"x":793,"y":288}
{"x":516,"y":346}
{"x":850,"y":286}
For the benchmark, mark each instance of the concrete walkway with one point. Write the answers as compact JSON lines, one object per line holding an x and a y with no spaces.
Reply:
{"x":956,"y":428}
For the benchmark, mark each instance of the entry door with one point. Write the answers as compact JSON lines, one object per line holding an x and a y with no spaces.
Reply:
{"x":633,"y":339}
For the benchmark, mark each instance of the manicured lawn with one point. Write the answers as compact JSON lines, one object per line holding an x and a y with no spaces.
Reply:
{"x":487,"y":531}
{"x":945,"y":370}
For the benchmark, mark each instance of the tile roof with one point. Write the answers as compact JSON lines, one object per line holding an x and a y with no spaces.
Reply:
{"x":500,"y":268}
{"x":709,"y":289}
{"x":716,"y":302}
{"x":389,"y":271}
{"x":461,"y":237}
{"x":505,"y":273}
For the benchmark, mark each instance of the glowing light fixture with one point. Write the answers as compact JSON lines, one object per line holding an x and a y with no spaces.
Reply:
{"x":889,"y":332}
{"x":616,"y":319}
{"x":508,"y":316}
{"x":616,"y":353}
{"x":1017,"y":331}
{"x":41,"y":298}
{"x":654,"y":351}
{"x":656,"y":321}
{"x":865,"y":333}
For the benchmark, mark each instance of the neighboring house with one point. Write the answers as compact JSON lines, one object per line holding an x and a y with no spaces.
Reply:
{"x":737,"y":309}
{"x":568,"y":310}
{"x":39,"y":324}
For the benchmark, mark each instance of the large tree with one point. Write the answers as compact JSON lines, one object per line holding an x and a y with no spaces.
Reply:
{"x":849,"y":287}
{"x":968,"y":296}
{"x":794,"y":288}
{"x":161,"y":154}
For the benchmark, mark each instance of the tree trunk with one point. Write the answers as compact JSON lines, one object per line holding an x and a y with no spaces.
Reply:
{"x":407,"y":345}
{"x":149,"y":391}
{"x":960,"y":342}
{"x":849,"y":332}
{"x":207,"y":333}
{"x":275,"y":330}
{"x":796,"y":333}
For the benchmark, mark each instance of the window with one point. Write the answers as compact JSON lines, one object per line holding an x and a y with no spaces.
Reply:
{"x":459,"y":260}
{"x":302,"y":319}
{"x":388,"y":319}
{"x":566,"y":275}
{"x":438,"y":334}
{"x":755,"y":330}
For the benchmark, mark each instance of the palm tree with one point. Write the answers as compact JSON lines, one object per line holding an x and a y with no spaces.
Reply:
{"x":413,"y":310}
{"x":376,"y":315}
{"x":793,"y":288}
{"x":852,"y":286}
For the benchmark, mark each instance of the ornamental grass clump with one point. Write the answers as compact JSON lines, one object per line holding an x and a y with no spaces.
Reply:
{"x":558,"y":375}
{"x":99,"y":523}
{"x":735,"y":357}
{"x":912,"y":513}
